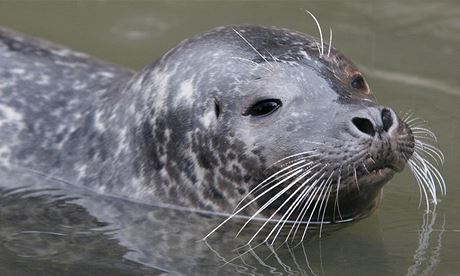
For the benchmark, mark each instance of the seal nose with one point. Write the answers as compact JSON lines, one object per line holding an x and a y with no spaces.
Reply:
{"x":374,"y":123}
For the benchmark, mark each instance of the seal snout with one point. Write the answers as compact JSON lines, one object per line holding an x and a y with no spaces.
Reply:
{"x":376,"y":122}
{"x":390,"y":140}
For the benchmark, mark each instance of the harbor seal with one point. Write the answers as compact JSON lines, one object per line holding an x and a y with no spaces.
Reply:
{"x":245,"y":120}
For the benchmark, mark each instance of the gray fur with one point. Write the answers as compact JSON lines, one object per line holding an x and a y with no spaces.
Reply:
{"x":155,"y":135}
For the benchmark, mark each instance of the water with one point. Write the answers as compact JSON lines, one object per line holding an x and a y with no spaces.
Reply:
{"x":410,"y":53}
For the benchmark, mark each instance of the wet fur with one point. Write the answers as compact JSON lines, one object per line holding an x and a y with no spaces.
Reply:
{"x":173,"y":132}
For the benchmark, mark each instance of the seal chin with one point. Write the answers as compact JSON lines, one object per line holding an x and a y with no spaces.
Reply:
{"x":378,"y":175}
{"x":383,"y":172}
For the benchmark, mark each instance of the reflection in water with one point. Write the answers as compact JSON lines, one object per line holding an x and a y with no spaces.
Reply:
{"x":53,"y":226}
{"x":43,"y":232}
{"x":297,"y":262}
{"x":47,"y":223}
{"x":426,"y":261}
{"x":268,"y":258}
{"x":65,"y":231}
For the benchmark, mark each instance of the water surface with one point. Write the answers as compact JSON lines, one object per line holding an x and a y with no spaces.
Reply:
{"x":410,"y":54}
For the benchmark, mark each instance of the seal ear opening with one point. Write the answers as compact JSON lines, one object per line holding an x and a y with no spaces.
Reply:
{"x":216,"y":108}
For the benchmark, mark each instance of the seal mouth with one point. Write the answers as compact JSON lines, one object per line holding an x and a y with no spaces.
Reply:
{"x":384,"y":170}
{"x":378,"y":175}
{"x":394,"y":164}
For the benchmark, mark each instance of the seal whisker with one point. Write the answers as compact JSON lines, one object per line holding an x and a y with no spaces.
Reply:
{"x":320,"y":50}
{"x":294,"y":206}
{"x":253,"y":63}
{"x":311,"y":189}
{"x":321,"y":205}
{"x":249,"y":203}
{"x":288,"y":163}
{"x":365,"y":168}
{"x":307,"y":199}
{"x":432,"y":171}
{"x":269,"y":202}
{"x":372,"y":159}
{"x":304,"y":168}
{"x":420,"y":184}
{"x":337,"y":194}
{"x":424,"y":146}
{"x":405,"y":155}
{"x":312,"y":212}
{"x":304,"y":210}
{"x":272,"y":56}
{"x":356,"y":177}
{"x":291,"y":209}
{"x":284,"y":219}
{"x":274,"y":177}
{"x":252,"y":47}
{"x":425,"y":185}
{"x":325,"y":206}
{"x":330,"y":42}
{"x":427,"y":152}
{"x":426,"y":175}
{"x":435,"y":172}
{"x":425,"y":131}
{"x":424,"y":134}
{"x":274,"y":181}
{"x":407,"y":115}
{"x":415,"y":124}
{"x":415,"y":120}
{"x":308,"y":159}
{"x":295,"y":155}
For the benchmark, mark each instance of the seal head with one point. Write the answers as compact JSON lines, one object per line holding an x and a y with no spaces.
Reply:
{"x":258,"y":113}
{"x":248,"y":120}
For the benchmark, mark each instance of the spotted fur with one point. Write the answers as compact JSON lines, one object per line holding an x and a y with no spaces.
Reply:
{"x":175,"y":132}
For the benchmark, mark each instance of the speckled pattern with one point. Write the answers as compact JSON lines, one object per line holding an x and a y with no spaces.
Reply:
{"x":174,"y":132}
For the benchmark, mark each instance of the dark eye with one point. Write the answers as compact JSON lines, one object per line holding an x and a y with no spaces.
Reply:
{"x":358,"y":82}
{"x":264,"y":107}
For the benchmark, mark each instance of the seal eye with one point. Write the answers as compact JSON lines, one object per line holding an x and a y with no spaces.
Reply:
{"x":263,"y":108}
{"x":358,"y":82}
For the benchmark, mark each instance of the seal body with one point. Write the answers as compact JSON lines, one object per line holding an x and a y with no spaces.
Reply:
{"x":249,"y":115}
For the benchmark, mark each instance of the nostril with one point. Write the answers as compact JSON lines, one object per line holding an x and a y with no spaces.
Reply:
{"x":364,"y":125}
{"x":387,"y":119}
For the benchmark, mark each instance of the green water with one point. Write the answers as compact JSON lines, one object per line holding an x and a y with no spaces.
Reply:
{"x":410,"y":53}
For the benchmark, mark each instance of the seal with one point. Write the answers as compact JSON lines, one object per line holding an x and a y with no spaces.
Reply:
{"x":246,"y":120}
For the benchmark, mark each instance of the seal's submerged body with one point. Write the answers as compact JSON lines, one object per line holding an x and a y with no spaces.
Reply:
{"x":261,"y":121}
